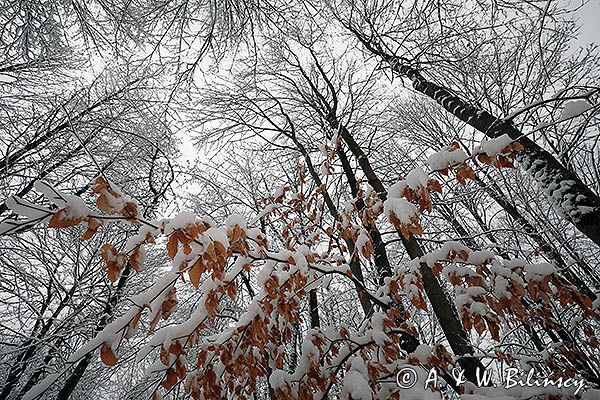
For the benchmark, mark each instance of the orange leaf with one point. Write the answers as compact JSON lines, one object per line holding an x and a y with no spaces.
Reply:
{"x":196,"y":272}
{"x":132,"y":326}
{"x":231,"y":291}
{"x":504,"y":162}
{"x":211,"y":303}
{"x":130,"y":211}
{"x":435,"y":185}
{"x":59,"y":219}
{"x":516,"y":146}
{"x":107,"y":251}
{"x":172,"y":245}
{"x":93,"y":225}
{"x":136,"y":259}
{"x":479,"y":324}
{"x":170,"y":380}
{"x":99,"y":185}
{"x":437,"y":269}
{"x":484,"y":158}
{"x":107,"y":355}
{"x":103,"y":204}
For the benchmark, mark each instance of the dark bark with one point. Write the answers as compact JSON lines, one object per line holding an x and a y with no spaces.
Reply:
{"x":40,"y":370}
{"x":314,"y":309}
{"x":33,"y":344}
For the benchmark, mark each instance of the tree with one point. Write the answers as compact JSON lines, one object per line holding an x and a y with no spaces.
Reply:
{"x":344,"y":230}
{"x":561,"y":184}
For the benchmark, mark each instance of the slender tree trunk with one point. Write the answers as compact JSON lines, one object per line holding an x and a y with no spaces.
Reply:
{"x":408,"y":343}
{"x":39,"y":371}
{"x":457,"y":336}
{"x":553,"y":254}
{"x":33,"y":344}
{"x":109,"y":308}
{"x":355,"y":267}
{"x":314,"y":309}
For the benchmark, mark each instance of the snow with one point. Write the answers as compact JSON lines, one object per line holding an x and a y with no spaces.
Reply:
{"x":26,"y":209}
{"x":464,"y":298}
{"x":216,"y":235}
{"x":140,"y":236}
{"x":417,"y":178}
{"x":397,"y":189}
{"x":423,"y":353}
{"x":401,"y":208}
{"x":51,"y":193}
{"x":278,"y":378}
{"x":357,"y":386}
{"x":362,"y":239}
{"x":493,"y":147}
{"x":74,"y":206}
{"x":236,"y":219}
{"x":5,"y":78}
{"x":181,"y":220}
{"x":356,"y":383}
{"x":446,"y":158}
{"x":537,"y":272}
{"x":41,"y":387}
{"x":573,"y":108}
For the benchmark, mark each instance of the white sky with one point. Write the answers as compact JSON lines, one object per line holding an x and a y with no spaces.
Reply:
{"x":589,"y":19}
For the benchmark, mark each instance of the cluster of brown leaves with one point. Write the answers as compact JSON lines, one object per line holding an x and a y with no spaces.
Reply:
{"x":439,"y":358}
{"x":172,"y":357}
{"x":422,"y":196}
{"x":166,"y":308}
{"x":505,"y":159}
{"x":115,"y":261}
{"x":406,"y":230}
{"x":111,"y":201}
{"x":372,"y":209}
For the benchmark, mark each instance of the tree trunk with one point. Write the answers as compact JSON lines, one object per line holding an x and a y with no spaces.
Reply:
{"x":443,"y":308}
{"x":355,"y":267}
{"x":574,"y":200}
{"x":73,"y":379}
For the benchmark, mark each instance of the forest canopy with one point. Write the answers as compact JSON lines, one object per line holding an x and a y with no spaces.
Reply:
{"x":337,"y":199}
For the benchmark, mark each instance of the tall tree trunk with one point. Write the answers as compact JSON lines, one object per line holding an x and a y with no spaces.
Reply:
{"x":408,"y":343}
{"x":576,"y":202}
{"x":33,"y":344}
{"x":444,"y":310}
{"x":355,"y":267}
{"x":314,"y":309}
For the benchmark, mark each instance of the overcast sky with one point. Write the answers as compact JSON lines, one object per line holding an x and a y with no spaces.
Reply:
{"x":589,"y":18}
